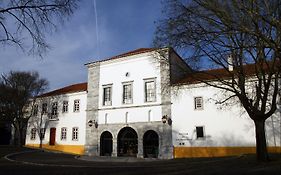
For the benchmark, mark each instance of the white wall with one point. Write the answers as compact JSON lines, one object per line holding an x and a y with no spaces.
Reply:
{"x":69,"y":120}
{"x":113,"y":72}
{"x":224,"y":125}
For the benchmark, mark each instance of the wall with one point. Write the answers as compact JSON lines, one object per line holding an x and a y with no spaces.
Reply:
{"x":228,"y":130}
{"x":69,"y":120}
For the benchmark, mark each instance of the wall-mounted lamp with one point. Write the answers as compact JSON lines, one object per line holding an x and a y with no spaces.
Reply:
{"x":166,"y":119}
{"x":91,"y":123}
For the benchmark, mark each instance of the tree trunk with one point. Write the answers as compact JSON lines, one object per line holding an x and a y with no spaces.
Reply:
{"x":261,"y":148}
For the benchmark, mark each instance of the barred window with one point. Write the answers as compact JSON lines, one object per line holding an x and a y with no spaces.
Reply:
{"x":35,"y":110}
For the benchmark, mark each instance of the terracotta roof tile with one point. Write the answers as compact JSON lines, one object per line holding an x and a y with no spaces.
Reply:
{"x":130,"y":53}
{"x":213,"y":74}
{"x":68,"y":89}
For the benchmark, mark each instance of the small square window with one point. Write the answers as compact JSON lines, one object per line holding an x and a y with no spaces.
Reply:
{"x":198,"y":103}
{"x":200,"y":132}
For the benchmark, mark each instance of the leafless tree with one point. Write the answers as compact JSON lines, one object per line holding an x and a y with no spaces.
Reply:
{"x":25,"y":22}
{"x":17,"y":92}
{"x":240,"y":41}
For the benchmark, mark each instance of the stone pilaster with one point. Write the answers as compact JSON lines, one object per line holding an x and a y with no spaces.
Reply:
{"x":92,"y":137}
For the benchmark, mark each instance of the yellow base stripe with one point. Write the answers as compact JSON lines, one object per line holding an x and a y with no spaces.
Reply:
{"x":73,"y":149}
{"x":181,"y":152}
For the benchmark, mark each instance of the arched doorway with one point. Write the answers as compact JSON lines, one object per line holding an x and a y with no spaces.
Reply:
{"x":127,"y":142}
{"x":150,"y":144}
{"x":106,"y":144}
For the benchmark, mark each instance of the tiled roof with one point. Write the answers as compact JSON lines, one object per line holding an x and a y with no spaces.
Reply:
{"x":130,"y":53}
{"x":213,"y":74}
{"x":68,"y":89}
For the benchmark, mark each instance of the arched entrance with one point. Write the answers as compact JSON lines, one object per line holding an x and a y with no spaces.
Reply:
{"x":127,"y":142}
{"x":106,"y":144}
{"x":150,"y":144}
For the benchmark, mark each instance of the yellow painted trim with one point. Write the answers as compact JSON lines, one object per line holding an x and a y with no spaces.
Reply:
{"x":181,"y":152}
{"x":73,"y":149}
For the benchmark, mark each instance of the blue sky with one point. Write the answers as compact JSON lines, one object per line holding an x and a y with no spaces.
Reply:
{"x":123,"y":25}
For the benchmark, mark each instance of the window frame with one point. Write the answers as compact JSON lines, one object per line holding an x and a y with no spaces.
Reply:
{"x":75,"y":108}
{"x":104,"y":102}
{"x":63,"y":133}
{"x":149,"y":80}
{"x":44,"y":108}
{"x":33,"y":134}
{"x":54,"y":111}
{"x":203,"y":132}
{"x":65,"y":106}
{"x":128,"y":100}
{"x":75,"y":132}
{"x":196,"y":107}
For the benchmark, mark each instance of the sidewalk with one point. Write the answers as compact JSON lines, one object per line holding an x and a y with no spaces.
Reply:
{"x":115,"y":159}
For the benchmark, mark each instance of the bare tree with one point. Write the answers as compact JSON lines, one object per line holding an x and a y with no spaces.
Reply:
{"x":241,"y":40}
{"x":17,"y":92}
{"x":24,"y":22}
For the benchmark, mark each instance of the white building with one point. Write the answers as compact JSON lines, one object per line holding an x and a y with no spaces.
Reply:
{"x":142,"y":104}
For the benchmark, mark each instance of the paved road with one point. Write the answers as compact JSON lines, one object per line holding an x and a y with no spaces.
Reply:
{"x":38,"y":162}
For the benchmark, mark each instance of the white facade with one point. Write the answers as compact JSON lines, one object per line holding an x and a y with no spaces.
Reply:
{"x":117,"y":118}
{"x":69,"y":119}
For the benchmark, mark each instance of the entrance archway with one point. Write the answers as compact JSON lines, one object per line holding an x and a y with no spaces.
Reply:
{"x":127,"y":142}
{"x":106,"y":144}
{"x":150,"y":144}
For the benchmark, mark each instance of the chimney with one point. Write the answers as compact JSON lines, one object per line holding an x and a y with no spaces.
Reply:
{"x":230,"y":63}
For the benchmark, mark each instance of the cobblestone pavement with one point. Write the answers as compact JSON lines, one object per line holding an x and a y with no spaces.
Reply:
{"x":28,"y":161}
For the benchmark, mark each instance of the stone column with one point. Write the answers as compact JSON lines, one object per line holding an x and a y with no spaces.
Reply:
{"x":114,"y":147}
{"x":140,"y":148}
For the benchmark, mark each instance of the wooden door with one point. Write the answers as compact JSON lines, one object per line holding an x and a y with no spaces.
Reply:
{"x":52,"y":136}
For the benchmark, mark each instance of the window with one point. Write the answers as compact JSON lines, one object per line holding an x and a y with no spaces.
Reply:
{"x":42,"y":133}
{"x":199,"y":132}
{"x":35,"y":110}
{"x":127,"y":93}
{"x":63,"y":133}
{"x":44,"y":108}
{"x":150,"y":90}
{"x":55,"y":109}
{"x":198,"y":103}
{"x":107,"y":95}
{"x":76,"y":107}
{"x":126,"y":117}
{"x":33,"y":134}
{"x":75,"y":133}
{"x":65,"y":106}
{"x":149,"y":115}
